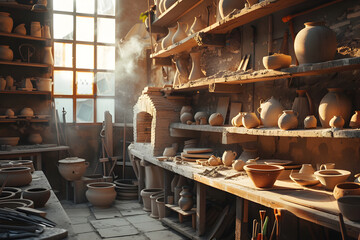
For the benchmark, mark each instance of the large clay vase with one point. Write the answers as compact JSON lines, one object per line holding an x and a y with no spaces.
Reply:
{"x":288,"y":120}
{"x":250,"y":120}
{"x":197,"y":25}
{"x":302,"y":105}
{"x":186,"y":201}
{"x":270,"y":111}
{"x":101,"y":194}
{"x":167,"y":41}
{"x":39,"y":196}
{"x":48,"y":57}
{"x":315,"y":43}
{"x":6,"y":22}
{"x":72,"y":168}
{"x":180,"y":33}
{"x":6,"y":53}
{"x":227,"y":6}
{"x":196,"y":72}
{"x":355,"y":120}
{"x":334,"y":103}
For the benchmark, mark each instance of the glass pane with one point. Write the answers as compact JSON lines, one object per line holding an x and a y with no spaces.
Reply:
{"x":85,"y":29}
{"x":84,"y":56}
{"x":106,"y":30}
{"x":103,"y":105}
{"x":106,"y":57}
{"x":63,"y":26}
{"x":63,"y":54}
{"x":105,"y":84}
{"x":67,"y":104}
{"x":84,"y":110}
{"x":63,"y":82}
{"x":84,"y":83}
{"x":85,"y":6}
{"x":106,"y":7}
{"x":63,"y":5}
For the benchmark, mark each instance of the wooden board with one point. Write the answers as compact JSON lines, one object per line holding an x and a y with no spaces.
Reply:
{"x":196,"y":155}
{"x":189,"y":159}
{"x":197,"y":150}
{"x":235,"y":108}
{"x":222,"y":106}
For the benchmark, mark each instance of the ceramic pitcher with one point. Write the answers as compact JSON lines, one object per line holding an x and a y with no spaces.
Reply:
{"x":197,"y":25}
{"x":269,"y":112}
{"x":355,"y":120}
{"x":228,"y":157}
{"x":307,"y":169}
{"x":167,"y":41}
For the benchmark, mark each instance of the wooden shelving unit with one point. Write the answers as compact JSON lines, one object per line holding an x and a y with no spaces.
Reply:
{"x":32,"y":120}
{"x":23,"y":37}
{"x":23,"y":64}
{"x":17,"y":6}
{"x":26,"y":92}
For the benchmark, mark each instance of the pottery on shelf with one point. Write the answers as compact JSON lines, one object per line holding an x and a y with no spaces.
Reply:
{"x":161,"y":7}
{"x":154,"y":206}
{"x":185,"y":109}
{"x":197,"y":25}
{"x":238,"y":165}
{"x":35,"y":138}
{"x":168,"y":3}
{"x":39,"y":196}
{"x":6,"y":53}
{"x":12,"y":141}
{"x":35,"y":29}
{"x":28,"y":112}
{"x":262,"y":175}
{"x":167,"y":41}
{"x":145,"y":194}
{"x":47,"y":56}
{"x":16,"y":176}
{"x":306,"y":169}
{"x":355,"y":120}
{"x":181,"y":63}
{"x":269,"y":112}
{"x":288,"y":120}
{"x":2,"y":84}
{"x":101,"y":194}
{"x":303,"y":106}
{"x":350,"y":207}
{"x":315,"y":43}
{"x":250,"y":120}
{"x":346,"y":188}
{"x":186,"y":116}
{"x":169,"y":152}
{"x":72,"y":168}
{"x":329,"y":178}
{"x":180,"y":33}
{"x":200,"y":115}
{"x":9,"y":82}
{"x":6,"y":22}
{"x":24,"y":163}
{"x":11,"y":205}
{"x":237,"y":120}
{"x":216,"y":119}
{"x":334,"y":103}
{"x":9,"y":112}
{"x":337,"y":122}
{"x":160,"y":201}
{"x":17,"y":191}
{"x":310,"y":122}
{"x":26,"y":83}
{"x":228,"y":157}
{"x":186,"y":201}
{"x":43,"y":84}
{"x":47,"y":33}
{"x":248,"y":153}
{"x":276,"y":61}
{"x":195,"y":72}
{"x":304,"y":179}
{"x":214,"y":161}
{"x":227,"y":6}
{"x":20,"y":29}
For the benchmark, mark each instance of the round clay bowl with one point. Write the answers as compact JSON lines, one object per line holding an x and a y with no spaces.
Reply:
{"x":277,"y":61}
{"x":263,"y":176}
{"x":24,"y":163}
{"x":101,"y":194}
{"x":329,"y":178}
{"x":39,"y":196}
{"x":16,"y":176}
{"x":145,"y":194}
{"x":346,"y":188}
{"x":12,"y":205}
{"x":6,"y":195}
{"x":350,"y":207}
{"x":27,"y":202}
{"x":16,"y":191}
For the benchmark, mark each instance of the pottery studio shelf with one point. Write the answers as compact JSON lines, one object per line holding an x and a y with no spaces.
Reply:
{"x":22,"y":37}
{"x":230,"y":22}
{"x":32,"y":120}
{"x":18,"y":6}
{"x":23,"y":64}
{"x":20,"y":92}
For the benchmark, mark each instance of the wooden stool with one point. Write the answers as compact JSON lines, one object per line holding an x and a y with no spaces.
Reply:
{"x":183,"y":213}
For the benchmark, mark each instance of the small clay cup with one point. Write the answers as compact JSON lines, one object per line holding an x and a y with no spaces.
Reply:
{"x":39,"y":196}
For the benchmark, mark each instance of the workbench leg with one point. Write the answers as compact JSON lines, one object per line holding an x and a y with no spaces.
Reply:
{"x":141,"y":179}
{"x":241,"y":224}
{"x":38,"y":161}
{"x":193,"y":221}
{"x":167,"y":189}
{"x":200,"y":208}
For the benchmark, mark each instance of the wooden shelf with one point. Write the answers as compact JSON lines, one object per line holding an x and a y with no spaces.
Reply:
{"x":23,"y":37}
{"x":177,"y":209}
{"x":16,"y":5}
{"x":25,"y":92}
{"x":23,"y":64}
{"x":183,"y":228}
{"x":32,"y":120}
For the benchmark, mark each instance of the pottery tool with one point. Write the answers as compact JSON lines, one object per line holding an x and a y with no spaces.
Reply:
{"x":253,"y":236}
{"x":277,"y":217}
{"x":265,"y":227}
{"x":262,"y":217}
{"x":342,"y":227}
{"x":273,"y":229}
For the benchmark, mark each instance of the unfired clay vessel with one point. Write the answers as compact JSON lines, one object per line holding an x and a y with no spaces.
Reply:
{"x":329,"y":178}
{"x":227,"y":6}
{"x":269,"y":112}
{"x":185,"y":109}
{"x":145,"y":194}
{"x":238,"y":165}
{"x":72,"y":168}
{"x":310,"y":122}
{"x":161,"y":207}
{"x":16,"y":176}
{"x":302,"y":105}
{"x":355,"y":120}
{"x":195,"y":72}
{"x":20,"y":29}
{"x":180,"y":33}
{"x":250,"y":120}
{"x":6,"y":22}
{"x":346,"y":188}
{"x":307,"y":169}
{"x":216,"y":119}
{"x":186,"y":116}
{"x":186,"y":201}
{"x":101,"y":194}
{"x":228,"y":157}
{"x":337,"y":122}
{"x":39,"y":196}
{"x":167,"y":41}
{"x":154,"y":206}
{"x":237,"y":120}
{"x":6,"y":53}
{"x":288,"y":120}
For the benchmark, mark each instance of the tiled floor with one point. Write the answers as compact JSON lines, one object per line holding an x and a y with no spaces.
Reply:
{"x":125,"y":220}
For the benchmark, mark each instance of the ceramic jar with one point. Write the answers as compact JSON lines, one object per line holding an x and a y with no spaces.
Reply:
{"x":355,"y":120}
{"x":238,"y":165}
{"x":145,"y":194}
{"x":6,"y":22}
{"x":28,"y":112}
{"x":250,"y":120}
{"x":161,"y":207}
{"x":35,"y":138}
{"x":9,"y":82}
{"x":337,"y":122}
{"x":237,"y":120}
{"x":154,"y":206}
{"x":227,"y":6}
{"x":167,"y":41}
{"x":72,"y":168}
{"x":43,"y":84}
{"x":228,"y":157}
{"x":39,"y":196}
{"x":269,"y":112}
{"x":35,"y":29}
{"x":307,"y":169}
{"x":302,"y":105}
{"x":6,"y":53}
{"x":197,"y":25}
{"x":288,"y":120}
{"x":186,"y":201}
{"x":195,"y":72}
{"x":185,"y":109}
{"x":48,"y":57}
{"x":346,"y":188}
{"x":20,"y":29}
{"x":16,"y":176}
{"x":186,"y":116}
{"x":2,"y":84}
{"x":200,"y":115}
{"x":180,"y":33}
{"x":315,"y":43}
{"x":101,"y":194}
{"x":334,"y":103}
{"x":216,"y":119}
{"x":310,"y":122}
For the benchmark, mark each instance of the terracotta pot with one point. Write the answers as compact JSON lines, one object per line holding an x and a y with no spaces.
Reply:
{"x":310,"y":122}
{"x":35,"y":138}
{"x":24,"y":163}
{"x":154,"y":206}
{"x":185,"y":109}
{"x":277,"y":61}
{"x":238,"y":165}
{"x":186,"y":116}
{"x":39,"y":196}
{"x":250,"y":120}
{"x":315,"y":43}
{"x":6,"y":53}
{"x":302,"y":105}
{"x":6,"y":22}
{"x":263,"y":176}
{"x":355,"y":120}
{"x":43,"y":84}
{"x":16,"y":176}
{"x":197,"y":25}
{"x":186,"y":201}
{"x":337,"y":122}
{"x":161,"y":207}
{"x":350,"y":207}
{"x":237,"y":120}
{"x":180,"y":33}
{"x":306,"y":169}
{"x":346,"y":188}
{"x":288,"y":120}
{"x":248,"y":153}
{"x":334,"y":103}
{"x":195,"y":72}
{"x":269,"y":112}
{"x":227,"y":6}
{"x":216,"y":119}
{"x":20,"y":29}
{"x":228,"y":157}
{"x":101,"y":194}
{"x":329,"y":178}
{"x":72,"y":168}
{"x":5,"y":195}
{"x":167,"y":41}
{"x":17,"y":191}
{"x":199,"y":115}
{"x":145,"y":194}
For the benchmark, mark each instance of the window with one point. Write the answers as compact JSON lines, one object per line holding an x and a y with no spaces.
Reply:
{"x":84,"y":58}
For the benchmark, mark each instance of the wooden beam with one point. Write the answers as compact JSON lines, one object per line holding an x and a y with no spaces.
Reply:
{"x":203,"y":39}
{"x":225,"y":88}
{"x":231,"y":138}
{"x":200,"y":208}
{"x":241,"y":222}
{"x":162,"y":61}
{"x":183,"y":133}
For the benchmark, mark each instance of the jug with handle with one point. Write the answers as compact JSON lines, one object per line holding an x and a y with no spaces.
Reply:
{"x":228,"y":157}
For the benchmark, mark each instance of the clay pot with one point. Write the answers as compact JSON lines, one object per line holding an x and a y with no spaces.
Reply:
{"x":16,"y":176}
{"x":227,"y":6}
{"x":329,"y":178}
{"x":167,"y":41}
{"x":9,"y":112}
{"x":6,"y":53}
{"x":197,"y":25}
{"x":263,"y":176}
{"x":195,"y":72}
{"x":250,"y":120}
{"x":214,"y":161}
{"x":186,"y":201}
{"x":186,"y":116}
{"x":200,"y":115}
{"x":24,"y":163}
{"x":17,"y":191}
{"x":302,"y":105}
{"x":2,"y":84}
{"x":35,"y":29}
{"x":47,"y":56}
{"x":35,"y":138}
{"x":337,"y":122}
{"x":20,"y":29}
{"x":269,"y":112}
{"x":248,"y":153}
{"x":315,"y":43}
{"x":310,"y":122}
{"x":43,"y":84}
{"x":288,"y":120}
{"x":355,"y":120}
{"x":39,"y":196}
{"x":238,"y":165}
{"x":6,"y":22}
{"x":180,"y":33}
{"x":5,"y":195}
{"x":334,"y":103}
{"x":154,"y":206}
{"x":277,"y":61}
{"x":27,"y":202}
{"x":228,"y":157}
{"x":72,"y":168}
{"x":237,"y":120}
{"x":185,"y":109}
{"x":145,"y":194}
{"x":28,"y":112}
{"x":9,"y":82}
{"x":350,"y":207}
{"x":101,"y":194}
{"x":346,"y":188}
{"x":168,"y":3}
{"x":216,"y":119}
{"x":161,"y":207}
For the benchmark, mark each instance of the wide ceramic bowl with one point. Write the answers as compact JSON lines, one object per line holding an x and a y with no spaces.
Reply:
{"x":346,"y":188}
{"x":277,"y":61}
{"x":304,"y":179}
{"x":263,"y":176}
{"x":350,"y":207}
{"x":16,"y":176}
{"x":329,"y":178}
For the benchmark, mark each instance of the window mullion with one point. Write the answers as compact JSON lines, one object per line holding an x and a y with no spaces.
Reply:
{"x":74,"y":62}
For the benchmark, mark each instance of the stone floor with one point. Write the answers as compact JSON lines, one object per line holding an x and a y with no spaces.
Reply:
{"x":125,"y":220}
